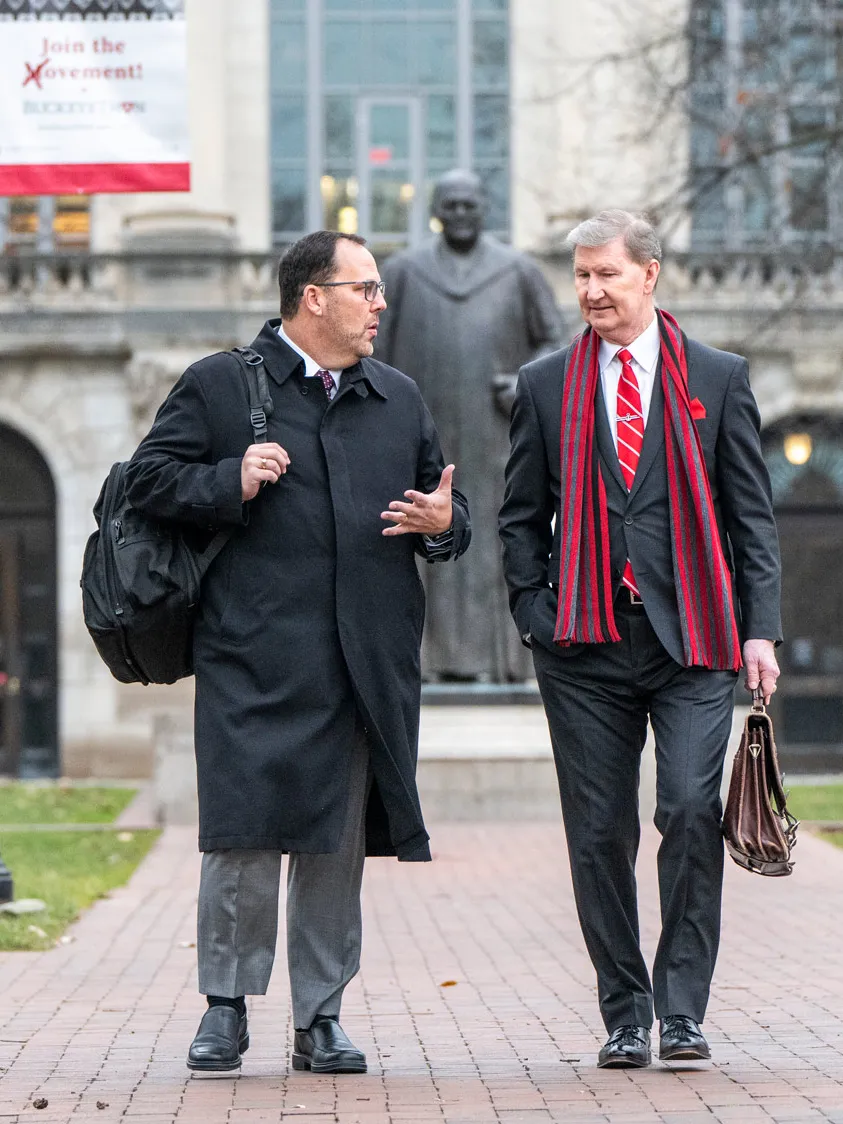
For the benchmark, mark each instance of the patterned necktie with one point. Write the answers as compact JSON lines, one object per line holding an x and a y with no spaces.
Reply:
{"x":630,"y":436}
{"x":328,"y":382}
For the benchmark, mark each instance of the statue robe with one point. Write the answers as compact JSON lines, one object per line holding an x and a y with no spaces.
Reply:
{"x":453,"y":323}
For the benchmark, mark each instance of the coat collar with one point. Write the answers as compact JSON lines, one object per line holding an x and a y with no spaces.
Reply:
{"x":488,"y":260}
{"x":653,"y":433}
{"x":603,"y":433}
{"x":281,"y":361}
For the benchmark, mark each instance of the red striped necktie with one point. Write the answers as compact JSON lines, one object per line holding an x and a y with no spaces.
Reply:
{"x":630,"y":436}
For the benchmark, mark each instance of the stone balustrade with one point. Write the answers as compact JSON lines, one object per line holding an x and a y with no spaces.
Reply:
{"x":755,"y":279}
{"x":138,"y":279}
{"x":232,"y":279}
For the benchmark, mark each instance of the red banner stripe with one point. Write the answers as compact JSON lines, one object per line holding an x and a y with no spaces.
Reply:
{"x":89,"y":179}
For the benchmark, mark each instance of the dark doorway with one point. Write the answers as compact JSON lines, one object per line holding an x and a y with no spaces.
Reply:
{"x":805,"y":457}
{"x":28,"y":637}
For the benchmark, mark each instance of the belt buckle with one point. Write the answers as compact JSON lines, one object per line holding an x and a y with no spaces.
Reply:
{"x":634,"y":598}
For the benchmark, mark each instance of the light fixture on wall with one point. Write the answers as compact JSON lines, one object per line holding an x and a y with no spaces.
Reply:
{"x":347,"y":220}
{"x":798,"y":447}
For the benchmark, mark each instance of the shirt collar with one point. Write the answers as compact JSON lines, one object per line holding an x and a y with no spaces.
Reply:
{"x":645,"y":349}
{"x":311,"y":367}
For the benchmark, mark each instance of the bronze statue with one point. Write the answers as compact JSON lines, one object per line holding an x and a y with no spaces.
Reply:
{"x":464,"y":313}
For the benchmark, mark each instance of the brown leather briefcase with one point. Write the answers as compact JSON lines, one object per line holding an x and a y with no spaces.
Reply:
{"x":760,"y":832}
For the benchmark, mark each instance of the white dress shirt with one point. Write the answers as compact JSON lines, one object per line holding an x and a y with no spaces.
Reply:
{"x":645,"y":361}
{"x":311,"y":367}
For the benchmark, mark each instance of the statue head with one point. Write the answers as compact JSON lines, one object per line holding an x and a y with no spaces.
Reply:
{"x":459,"y":205}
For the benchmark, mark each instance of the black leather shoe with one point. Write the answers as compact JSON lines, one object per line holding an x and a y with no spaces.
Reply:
{"x":628,"y":1047}
{"x":222,"y":1037}
{"x":682,"y":1040}
{"x":326,"y":1048}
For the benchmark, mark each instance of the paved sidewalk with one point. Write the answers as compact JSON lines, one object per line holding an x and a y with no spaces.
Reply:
{"x":106,"y":1020}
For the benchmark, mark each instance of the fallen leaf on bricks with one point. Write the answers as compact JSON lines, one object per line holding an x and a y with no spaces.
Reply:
{"x":187,"y":944}
{"x":102,"y":1104}
{"x":299,"y":1106}
{"x":40,"y":1102}
{"x":448,"y":983}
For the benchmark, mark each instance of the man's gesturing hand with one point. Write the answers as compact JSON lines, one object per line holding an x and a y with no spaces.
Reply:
{"x":762,"y":669}
{"x":261,"y":464}
{"x":422,"y":514}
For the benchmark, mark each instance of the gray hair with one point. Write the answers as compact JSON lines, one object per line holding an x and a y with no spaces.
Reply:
{"x":640,"y":239}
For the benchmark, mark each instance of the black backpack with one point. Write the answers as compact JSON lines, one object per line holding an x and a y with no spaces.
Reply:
{"x":141,"y":578}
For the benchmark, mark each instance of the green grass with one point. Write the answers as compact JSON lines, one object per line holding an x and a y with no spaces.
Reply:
{"x":816,"y":801}
{"x":68,"y":871}
{"x":38,"y":803}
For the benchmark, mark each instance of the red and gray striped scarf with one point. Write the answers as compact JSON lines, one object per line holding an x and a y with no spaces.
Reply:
{"x":703,"y":585}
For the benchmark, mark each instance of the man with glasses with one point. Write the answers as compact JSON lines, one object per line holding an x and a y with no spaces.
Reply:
{"x":307,"y":647}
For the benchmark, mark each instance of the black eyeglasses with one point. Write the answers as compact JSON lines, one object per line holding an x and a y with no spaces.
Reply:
{"x":370,"y":288}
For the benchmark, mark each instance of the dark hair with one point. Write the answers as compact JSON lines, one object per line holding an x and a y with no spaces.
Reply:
{"x":310,"y":261}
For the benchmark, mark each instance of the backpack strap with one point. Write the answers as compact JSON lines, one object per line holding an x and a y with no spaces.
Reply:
{"x":260,"y":408}
{"x":260,"y":400}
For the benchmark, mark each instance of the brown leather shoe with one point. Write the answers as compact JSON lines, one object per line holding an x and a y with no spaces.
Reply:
{"x":325,"y":1048}
{"x":682,"y":1040}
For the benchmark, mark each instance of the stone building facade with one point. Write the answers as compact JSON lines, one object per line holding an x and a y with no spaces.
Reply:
{"x":93,"y":334}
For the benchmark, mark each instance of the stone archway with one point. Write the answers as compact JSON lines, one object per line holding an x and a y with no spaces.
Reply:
{"x":28,"y":611}
{"x":804,"y":453}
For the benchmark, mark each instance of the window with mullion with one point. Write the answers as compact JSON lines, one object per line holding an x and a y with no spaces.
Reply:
{"x":765,"y":95}
{"x":288,"y":117}
{"x":490,"y":81}
{"x":373,"y":54}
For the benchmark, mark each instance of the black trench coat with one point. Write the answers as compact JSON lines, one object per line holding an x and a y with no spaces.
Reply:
{"x":310,"y":618}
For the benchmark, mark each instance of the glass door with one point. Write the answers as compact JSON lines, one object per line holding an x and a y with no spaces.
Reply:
{"x":390,"y":162}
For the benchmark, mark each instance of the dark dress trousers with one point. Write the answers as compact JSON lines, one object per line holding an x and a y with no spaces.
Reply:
{"x":599,"y":697}
{"x":310,"y":617}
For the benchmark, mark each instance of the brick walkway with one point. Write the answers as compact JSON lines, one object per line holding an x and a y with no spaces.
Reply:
{"x":106,"y":1020}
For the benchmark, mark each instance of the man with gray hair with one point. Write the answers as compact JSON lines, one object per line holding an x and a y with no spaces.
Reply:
{"x":658,"y":580}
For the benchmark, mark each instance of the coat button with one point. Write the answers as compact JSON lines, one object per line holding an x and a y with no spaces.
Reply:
{"x":305,"y":389}
{"x":629,"y":520}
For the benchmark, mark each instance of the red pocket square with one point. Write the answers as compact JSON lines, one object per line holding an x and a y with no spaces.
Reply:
{"x":697,"y":409}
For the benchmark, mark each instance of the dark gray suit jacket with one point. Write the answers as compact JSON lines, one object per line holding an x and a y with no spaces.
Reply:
{"x":639,"y":521}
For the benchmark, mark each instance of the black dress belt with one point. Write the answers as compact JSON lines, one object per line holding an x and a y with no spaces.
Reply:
{"x":625,"y":599}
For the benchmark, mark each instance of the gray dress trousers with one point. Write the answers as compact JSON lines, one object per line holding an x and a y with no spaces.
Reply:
{"x":238,"y":914}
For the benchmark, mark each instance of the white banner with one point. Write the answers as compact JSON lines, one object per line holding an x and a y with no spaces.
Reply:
{"x":93,"y":96}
